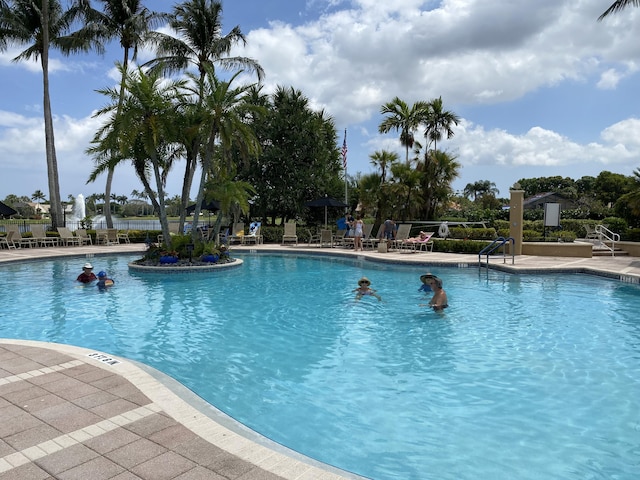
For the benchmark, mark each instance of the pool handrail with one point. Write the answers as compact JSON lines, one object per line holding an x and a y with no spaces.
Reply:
{"x":493,"y":246}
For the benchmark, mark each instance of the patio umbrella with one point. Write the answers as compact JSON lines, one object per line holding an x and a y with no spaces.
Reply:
{"x":326,"y":202}
{"x":211,"y":206}
{"x":6,"y":210}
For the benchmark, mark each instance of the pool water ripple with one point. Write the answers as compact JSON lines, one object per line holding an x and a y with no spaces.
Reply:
{"x":522,"y":377}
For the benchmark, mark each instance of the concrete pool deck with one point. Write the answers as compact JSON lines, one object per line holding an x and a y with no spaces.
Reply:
{"x":73,"y":413}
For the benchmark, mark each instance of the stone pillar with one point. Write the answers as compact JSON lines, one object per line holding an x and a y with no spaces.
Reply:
{"x":516,"y":216}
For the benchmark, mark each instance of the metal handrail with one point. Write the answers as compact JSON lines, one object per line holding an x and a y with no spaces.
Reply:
{"x":493,"y":246}
{"x":604,"y":232}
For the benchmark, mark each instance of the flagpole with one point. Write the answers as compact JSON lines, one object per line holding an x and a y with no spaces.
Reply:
{"x":344,"y":164}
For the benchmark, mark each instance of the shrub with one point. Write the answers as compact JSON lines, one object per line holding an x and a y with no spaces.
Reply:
{"x":459,"y":246}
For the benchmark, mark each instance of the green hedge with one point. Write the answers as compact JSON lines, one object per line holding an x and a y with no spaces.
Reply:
{"x":473,"y":233}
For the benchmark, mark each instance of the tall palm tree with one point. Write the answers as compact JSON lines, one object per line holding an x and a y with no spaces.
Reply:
{"x":439,"y":170}
{"x":223,"y":112}
{"x":42,"y":25}
{"x":400,"y":117}
{"x":128,"y":21}
{"x":618,"y":6}
{"x":200,"y":43}
{"x":438,"y":122}
{"x":144,"y":131}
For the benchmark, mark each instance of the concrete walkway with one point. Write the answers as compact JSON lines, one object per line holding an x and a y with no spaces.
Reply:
{"x":72,"y":413}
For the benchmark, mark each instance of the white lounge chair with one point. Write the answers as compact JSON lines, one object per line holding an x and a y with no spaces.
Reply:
{"x":40,"y":236}
{"x":290,"y":234}
{"x":67,"y":238}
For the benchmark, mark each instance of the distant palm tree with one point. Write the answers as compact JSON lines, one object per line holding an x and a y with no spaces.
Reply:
{"x":400,"y":117}
{"x":38,"y":196}
{"x":202,"y":44}
{"x":383,"y":159}
{"x":42,"y":25}
{"x":128,"y":21}
{"x":438,"y":122}
{"x":618,"y":6}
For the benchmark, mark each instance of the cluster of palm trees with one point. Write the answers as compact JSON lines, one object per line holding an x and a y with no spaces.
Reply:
{"x":417,"y":187}
{"x":151,"y":121}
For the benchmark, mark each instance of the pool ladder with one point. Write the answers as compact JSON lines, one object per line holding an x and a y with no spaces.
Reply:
{"x":493,"y":246}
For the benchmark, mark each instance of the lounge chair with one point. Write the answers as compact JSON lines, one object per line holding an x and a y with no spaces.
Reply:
{"x":290,"y":234}
{"x":326,"y":238}
{"x":313,"y":237}
{"x":40,"y":236}
{"x":372,"y":240}
{"x":85,"y":238}
{"x":416,"y":244}
{"x":18,"y":240}
{"x":7,"y":240}
{"x":121,"y":237}
{"x":237,"y":233}
{"x":223,"y":238}
{"x":67,"y":238}
{"x":340,"y":238}
{"x":404,"y":229}
{"x":254,"y":234}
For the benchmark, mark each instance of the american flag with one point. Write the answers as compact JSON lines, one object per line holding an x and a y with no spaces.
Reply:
{"x":344,"y":150}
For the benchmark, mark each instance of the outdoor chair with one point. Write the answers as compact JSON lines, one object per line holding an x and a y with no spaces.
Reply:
{"x":402,"y":234}
{"x":7,"y":240}
{"x":67,"y":238}
{"x":18,"y":240}
{"x":372,"y":240}
{"x":85,"y":238}
{"x":40,"y":236}
{"x":237,"y":233}
{"x":326,"y":238}
{"x":122,"y":237}
{"x":290,"y":234}
{"x":173,"y":230}
{"x":254,"y":234}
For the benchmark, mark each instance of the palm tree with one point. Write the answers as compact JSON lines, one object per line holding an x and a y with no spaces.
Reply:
{"x":144,"y":131}
{"x":439,"y":170}
{"x":383,"y":159}
{"x":618,"y":6}
{"x":223,"y":112}
{"x":128,"y":21}
{"x":201,"y":43}
{"x":38,"y":196}
{"x":438,"y":122}
{"x":42,"y":25}
{"x":479,"y":188}
{"x":403,"y":119}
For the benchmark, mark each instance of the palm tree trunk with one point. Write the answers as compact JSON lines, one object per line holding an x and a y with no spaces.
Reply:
{"x":52,"y":162}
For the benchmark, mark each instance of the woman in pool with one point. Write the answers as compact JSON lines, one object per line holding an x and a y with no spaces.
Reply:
{"x":87,"y":275}
{"x":364,"y":289}
{"x":439,"y":300}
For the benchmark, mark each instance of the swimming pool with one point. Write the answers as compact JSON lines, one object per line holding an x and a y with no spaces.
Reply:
{"x":523,"y":377}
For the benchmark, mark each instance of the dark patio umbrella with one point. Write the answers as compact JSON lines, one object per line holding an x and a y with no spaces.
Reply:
{"x":6,"y":210}
{"x":211,"y":206}
{"x":326,"y":202}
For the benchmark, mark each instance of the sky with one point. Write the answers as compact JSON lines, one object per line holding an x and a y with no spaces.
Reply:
{"x":541,"y":88}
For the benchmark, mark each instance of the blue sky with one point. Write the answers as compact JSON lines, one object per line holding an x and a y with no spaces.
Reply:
{"x":542,"y":88}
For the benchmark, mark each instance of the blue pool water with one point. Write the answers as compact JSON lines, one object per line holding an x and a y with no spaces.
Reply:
{"x":523,"y":377}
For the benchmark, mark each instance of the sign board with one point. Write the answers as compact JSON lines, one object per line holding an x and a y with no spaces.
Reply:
{"x":551,"y":214}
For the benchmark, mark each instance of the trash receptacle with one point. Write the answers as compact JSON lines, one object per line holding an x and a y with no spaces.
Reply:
{"x":382,"y":247}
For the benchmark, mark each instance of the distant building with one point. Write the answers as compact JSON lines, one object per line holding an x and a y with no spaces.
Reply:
{"x":537,"y":202}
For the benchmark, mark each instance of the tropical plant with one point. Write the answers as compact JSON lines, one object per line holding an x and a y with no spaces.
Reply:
{"x":618,"y":6}
{"x":383,"y":159}
{"x":400,"y":117}
{"x":438,"y":122}
{"x":129,"y":22}
{"x":42,"y":25}
{"x":201,"y":43}
{"x":223,"y":126}
{"x":144,"y":131}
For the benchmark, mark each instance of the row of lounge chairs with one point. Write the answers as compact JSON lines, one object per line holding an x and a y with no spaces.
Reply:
{"x":326,"y":238}
{"x":39,"y":238}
